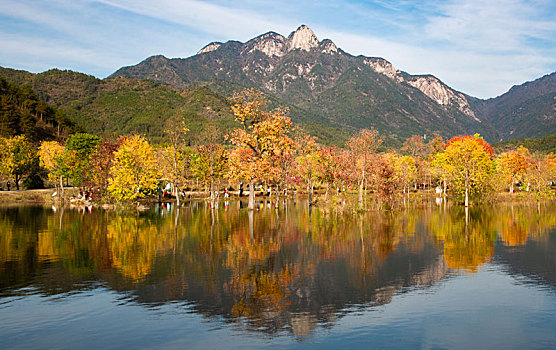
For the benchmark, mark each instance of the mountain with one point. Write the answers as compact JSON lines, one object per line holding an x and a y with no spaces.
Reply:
{"x":325,"y":84}
{"x":114,"y":107}
{"x":527,"y":110}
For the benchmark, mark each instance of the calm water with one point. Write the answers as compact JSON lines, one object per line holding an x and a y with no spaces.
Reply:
{"x":196,"y":277}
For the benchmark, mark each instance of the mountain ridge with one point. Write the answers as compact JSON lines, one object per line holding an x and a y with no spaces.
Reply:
{"x":317,"y":76}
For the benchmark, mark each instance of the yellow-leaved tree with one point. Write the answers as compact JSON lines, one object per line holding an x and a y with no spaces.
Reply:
{"x":55,"y":159}
{"x":467,"y":161}
{"x":135,"y":172}
{"x":17,"y":156}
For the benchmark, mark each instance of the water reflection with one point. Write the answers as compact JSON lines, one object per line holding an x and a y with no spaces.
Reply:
{"x":287,"y":269}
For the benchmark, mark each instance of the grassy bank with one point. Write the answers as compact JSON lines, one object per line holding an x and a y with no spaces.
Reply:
{"x":43,"y":196}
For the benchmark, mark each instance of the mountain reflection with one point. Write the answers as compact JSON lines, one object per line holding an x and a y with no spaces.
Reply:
{"x":290,"y":269}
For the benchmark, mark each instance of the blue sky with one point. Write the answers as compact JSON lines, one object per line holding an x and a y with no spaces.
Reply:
{"x":480,"y":47}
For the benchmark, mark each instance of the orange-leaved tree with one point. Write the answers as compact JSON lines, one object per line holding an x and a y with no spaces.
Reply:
{"x":512,"y":165}
{"x":363,"y":148}
{"x":262,"y":137}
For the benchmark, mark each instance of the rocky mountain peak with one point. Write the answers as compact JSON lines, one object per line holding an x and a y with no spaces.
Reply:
{"x":327,"y":46}
{"x":271,"y":44}
{"x":210,"y":47}
{"x":303,"y":38}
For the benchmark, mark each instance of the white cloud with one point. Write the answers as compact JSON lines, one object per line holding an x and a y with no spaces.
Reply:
{"x":487,"y":26}
{"x":221,"y":21}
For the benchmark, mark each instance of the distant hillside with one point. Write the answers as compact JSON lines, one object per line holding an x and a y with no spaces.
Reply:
{"x":527,"y":110}
{"x":114,"y":107}
{"x":22,"y":112}
{"x":546,"y":144}
{"x":325,"y":85}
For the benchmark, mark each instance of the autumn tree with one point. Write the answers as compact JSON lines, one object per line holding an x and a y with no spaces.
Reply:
{"x":209,"y":163}
{"x":328,"y":167}
{"x":101,"y":162}
{"x":468,"y":162}
{"x":135,"y":172}
{"x":414,"y":146}
{"x":363,"y":148}
{"x":307,"y":161}
{"x":404,"y":170}
{"x":51,"y":155}
{"x":512,"y":165}
{"x":260,"y":138}
{"x":176,"y":130}
{"x":541,"y":171}
{"x":17,"y":157}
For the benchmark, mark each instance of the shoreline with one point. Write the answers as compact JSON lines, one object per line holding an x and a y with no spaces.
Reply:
{"x":44,"y":197}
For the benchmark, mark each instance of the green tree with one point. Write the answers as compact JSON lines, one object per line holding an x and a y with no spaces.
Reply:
{"x":83,"y":145}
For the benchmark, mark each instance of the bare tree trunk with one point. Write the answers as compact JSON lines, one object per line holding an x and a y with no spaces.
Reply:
{"x":177,"y":194}
{"x":361,"y":192}
{"x":310,"y":191}
{"x":61,"y":187}
{"x":251,"y":205}
{"x":326,"y":193}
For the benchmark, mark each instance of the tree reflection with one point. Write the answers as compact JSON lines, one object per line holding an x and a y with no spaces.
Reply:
{"x":291,"y":268}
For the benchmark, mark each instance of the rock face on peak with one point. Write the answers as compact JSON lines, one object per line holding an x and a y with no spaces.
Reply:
{"x":303,"y":38}
{"x":271,"y":44}
{"x":441,"y":93}
{"x":210,"y":47}
{"x":327,"y":46}
{"x":326,"y":85}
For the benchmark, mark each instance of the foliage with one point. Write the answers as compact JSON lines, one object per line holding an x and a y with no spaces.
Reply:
{"x":541,"y":171}
{"x":135,"y":172}
{"x":100,"y":163}
{"x":17,"y":157}
{"x":512,"y":165}
{"x":363,"y":148}
{"x":262,"y":136}
{"x":468,"y":165}
{"x":209,"y":163}
{"x":546,"y":144}
{"x":83,"y":146}
{"x":23,"y":113}
{"x":414,"y":146}
{"x":404,"y":170}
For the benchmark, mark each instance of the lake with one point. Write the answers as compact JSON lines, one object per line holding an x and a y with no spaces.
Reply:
{"x":202,"y":277}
